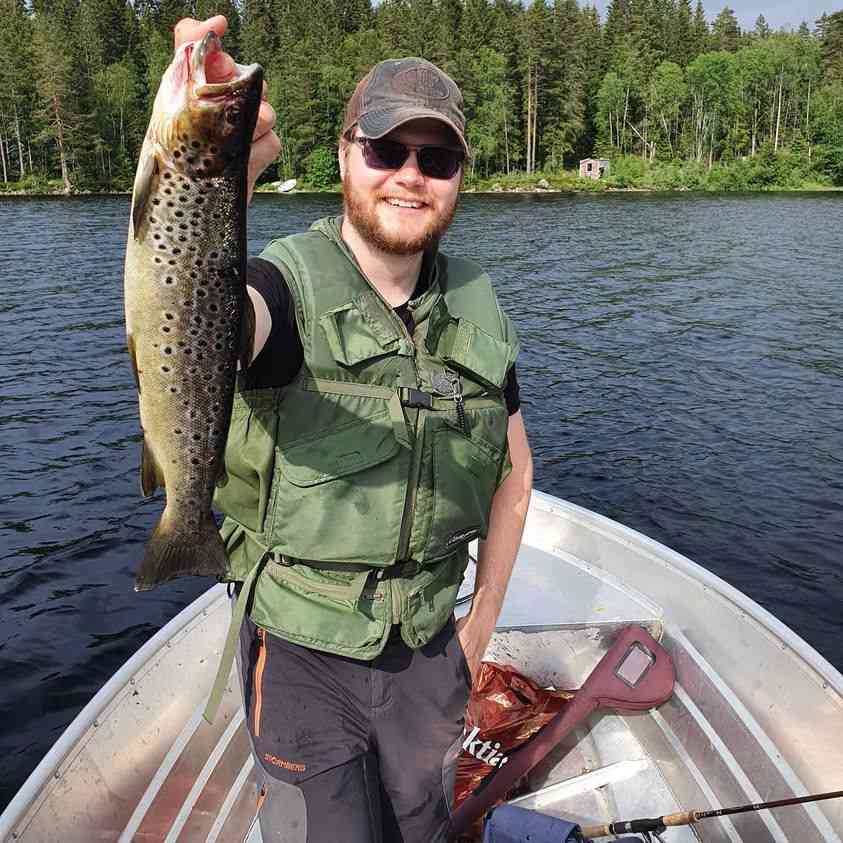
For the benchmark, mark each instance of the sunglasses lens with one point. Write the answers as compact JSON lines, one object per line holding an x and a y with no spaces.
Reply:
{"x":385,"y":154}
{"x":438,"y":162}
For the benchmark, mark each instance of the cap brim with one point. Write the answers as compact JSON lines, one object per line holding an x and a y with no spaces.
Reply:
{"x":376,"y":124}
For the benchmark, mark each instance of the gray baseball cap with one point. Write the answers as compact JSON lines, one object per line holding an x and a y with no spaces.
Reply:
{"x":396,"y":91}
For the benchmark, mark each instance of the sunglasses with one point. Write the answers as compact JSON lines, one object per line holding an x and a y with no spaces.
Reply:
{"x":435,"y":162}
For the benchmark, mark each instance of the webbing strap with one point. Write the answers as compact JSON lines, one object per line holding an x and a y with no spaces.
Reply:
{"x":231,"y":640}
{"x":364,"y":390}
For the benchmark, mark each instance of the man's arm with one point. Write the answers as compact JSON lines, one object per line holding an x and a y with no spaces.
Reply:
{"x":263,"y":321}
{"x":497,"y":553}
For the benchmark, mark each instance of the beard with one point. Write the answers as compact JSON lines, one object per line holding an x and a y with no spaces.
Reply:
{"x":362,"y":213}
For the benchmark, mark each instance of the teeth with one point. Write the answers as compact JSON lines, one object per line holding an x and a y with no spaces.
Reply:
{"x":401,"y":203}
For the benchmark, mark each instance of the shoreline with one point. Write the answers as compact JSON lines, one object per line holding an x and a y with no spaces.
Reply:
{"x":478,"y":192}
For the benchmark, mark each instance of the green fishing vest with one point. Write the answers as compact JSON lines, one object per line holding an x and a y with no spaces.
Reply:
{"x":351,"y":494}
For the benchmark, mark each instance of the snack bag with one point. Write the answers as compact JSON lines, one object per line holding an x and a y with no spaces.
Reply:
{"x":505,"y":709}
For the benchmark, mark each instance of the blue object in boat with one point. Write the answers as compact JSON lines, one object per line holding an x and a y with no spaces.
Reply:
{"x":511,"y":824}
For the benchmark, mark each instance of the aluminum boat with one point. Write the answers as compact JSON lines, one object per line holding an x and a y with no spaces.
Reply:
{"x":756,"y":715}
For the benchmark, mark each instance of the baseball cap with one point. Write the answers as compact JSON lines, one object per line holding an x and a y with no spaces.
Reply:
{"x":396,"y":91}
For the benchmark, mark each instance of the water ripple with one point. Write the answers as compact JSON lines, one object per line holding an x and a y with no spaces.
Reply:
{"x":680,"y":372}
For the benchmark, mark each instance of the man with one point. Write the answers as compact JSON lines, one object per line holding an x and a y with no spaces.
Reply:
{"x":371,"y":442}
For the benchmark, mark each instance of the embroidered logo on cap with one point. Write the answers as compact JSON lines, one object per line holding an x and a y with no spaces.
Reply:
{"x":421,"y":82}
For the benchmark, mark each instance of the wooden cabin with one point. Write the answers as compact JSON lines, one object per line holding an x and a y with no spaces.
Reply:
{"x":593,"y":168}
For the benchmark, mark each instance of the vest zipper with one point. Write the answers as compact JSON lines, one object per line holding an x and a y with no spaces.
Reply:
{"x":258,"y":681}
{"x":415,"y":465}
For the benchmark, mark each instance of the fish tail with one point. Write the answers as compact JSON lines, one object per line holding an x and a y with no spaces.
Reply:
{"x":173,"y":551}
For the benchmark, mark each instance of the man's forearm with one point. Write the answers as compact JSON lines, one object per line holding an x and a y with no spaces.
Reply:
{"x":498,"y":552}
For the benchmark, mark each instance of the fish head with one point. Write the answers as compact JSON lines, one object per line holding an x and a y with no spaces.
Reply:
{"x":202,"y":128}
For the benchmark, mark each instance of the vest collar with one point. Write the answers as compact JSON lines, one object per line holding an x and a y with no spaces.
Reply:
{"x":429,"y":278}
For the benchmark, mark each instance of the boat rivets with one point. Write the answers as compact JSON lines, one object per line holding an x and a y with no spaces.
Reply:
{"x":132,"y":681}
{"x":96,"y":723}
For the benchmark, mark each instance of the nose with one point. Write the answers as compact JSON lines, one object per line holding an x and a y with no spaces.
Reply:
{"x":410,"y":174}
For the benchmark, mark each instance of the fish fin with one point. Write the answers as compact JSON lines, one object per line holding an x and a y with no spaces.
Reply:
{"x":247,"y":333}
{"x":144,"y":183}
{"x":130,"y":342}
{"x":172,"y":553}
{"x":151,"y":475}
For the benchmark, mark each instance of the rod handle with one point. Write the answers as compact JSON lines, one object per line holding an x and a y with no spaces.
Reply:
{"x":596,"y":831}
{"x":681,"y":818}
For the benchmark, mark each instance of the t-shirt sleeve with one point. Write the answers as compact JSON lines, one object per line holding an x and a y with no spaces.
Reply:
{"x":512,"y":392}
{"x":282,"y":356}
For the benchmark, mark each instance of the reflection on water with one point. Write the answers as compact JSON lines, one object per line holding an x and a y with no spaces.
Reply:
{"x":680,"y":372}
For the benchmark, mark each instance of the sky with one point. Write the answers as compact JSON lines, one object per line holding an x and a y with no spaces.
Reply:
{"x":778,"y":13}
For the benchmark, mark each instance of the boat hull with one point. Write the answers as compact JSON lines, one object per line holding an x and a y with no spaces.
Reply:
{"x":757,"y":713}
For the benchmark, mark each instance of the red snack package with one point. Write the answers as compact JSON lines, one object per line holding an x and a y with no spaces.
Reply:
{"x":504,"y":710}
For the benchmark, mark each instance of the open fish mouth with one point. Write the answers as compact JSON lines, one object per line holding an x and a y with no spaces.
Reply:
{"x":197,"y":54}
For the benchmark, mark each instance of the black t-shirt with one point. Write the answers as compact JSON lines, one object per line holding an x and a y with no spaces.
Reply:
{"x":282,"y":356}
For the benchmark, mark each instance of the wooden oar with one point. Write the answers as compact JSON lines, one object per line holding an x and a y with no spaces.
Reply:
{"x":659,"y":824}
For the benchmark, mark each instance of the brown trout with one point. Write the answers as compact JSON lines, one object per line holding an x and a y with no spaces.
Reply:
{"x":186,"y":302}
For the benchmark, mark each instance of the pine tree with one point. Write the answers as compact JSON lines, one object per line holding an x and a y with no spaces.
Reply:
{"x":681,"y":40}
{"x":762,"y":29}
{"x":700,"y":32}
{"x":17,"y":91}
{"x":830,"y":32}
{"x":725,"y":32}
{"x":54,"y":74}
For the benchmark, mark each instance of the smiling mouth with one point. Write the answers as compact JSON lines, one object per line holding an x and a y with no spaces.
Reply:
{"x":405,"y":203}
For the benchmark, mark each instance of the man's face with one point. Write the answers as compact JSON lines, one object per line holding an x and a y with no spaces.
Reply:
{"x":401,"y":212}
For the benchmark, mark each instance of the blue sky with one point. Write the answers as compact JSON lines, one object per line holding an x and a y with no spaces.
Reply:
{"x":777,"y":12}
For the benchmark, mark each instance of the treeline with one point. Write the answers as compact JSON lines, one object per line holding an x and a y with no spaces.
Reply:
{"x":546,"y":83}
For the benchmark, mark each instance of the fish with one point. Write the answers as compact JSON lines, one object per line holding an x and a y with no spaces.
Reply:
{"x":188,"y":316}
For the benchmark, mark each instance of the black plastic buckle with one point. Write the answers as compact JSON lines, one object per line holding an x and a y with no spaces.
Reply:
{"x":416,"y":398}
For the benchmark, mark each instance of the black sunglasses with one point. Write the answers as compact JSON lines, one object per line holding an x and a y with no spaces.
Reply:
{"x":435,"y":162}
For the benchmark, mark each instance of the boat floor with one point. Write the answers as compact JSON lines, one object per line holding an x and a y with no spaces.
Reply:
{"x":756,"y":713}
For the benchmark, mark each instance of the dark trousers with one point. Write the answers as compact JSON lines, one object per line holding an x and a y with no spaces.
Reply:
{"x":358,"y":751}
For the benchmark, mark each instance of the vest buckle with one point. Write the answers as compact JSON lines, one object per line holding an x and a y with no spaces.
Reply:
{"x":416,"y":398}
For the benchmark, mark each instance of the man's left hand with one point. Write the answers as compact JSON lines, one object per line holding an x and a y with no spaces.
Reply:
{"x":474,"y":635}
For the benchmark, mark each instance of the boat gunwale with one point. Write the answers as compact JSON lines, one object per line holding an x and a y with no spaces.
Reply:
{"x":831,"y":678}
{"x":36,"y":785}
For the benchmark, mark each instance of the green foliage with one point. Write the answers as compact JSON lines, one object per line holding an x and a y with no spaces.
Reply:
{"x":626,"y":172}
{"x":669,"y":100}
{"x":321,"y":170}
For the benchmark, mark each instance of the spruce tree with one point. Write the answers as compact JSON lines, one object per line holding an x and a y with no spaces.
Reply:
{"x":725,"y":32}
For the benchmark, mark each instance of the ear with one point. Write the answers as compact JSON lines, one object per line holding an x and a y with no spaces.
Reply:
{"x":342,"y":155}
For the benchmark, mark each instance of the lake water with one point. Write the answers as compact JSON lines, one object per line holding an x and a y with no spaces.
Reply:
{"x":681,"y":372}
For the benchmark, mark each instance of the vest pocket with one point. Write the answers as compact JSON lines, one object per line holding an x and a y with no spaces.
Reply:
{"x":338,"y":494}
{"x":358,"y":331}
{"x":465,"y":474}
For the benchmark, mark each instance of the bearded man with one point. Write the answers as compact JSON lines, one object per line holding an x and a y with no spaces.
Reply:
{"x":376,"y":434}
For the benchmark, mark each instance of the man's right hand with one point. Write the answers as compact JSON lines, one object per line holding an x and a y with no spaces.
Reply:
{"x":220,"y":68}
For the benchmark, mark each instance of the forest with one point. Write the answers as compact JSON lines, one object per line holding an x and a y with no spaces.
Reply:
{"x":673,"y":100}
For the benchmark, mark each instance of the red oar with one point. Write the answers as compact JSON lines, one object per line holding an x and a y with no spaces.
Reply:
{"x":635,"y":673}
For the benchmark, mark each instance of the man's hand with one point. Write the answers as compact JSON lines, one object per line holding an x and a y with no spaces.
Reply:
{"x":474,"y":638}
{"x":220,"y":68}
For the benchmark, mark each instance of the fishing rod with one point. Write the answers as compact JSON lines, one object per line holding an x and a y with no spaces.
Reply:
{"x":655,"y":825}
